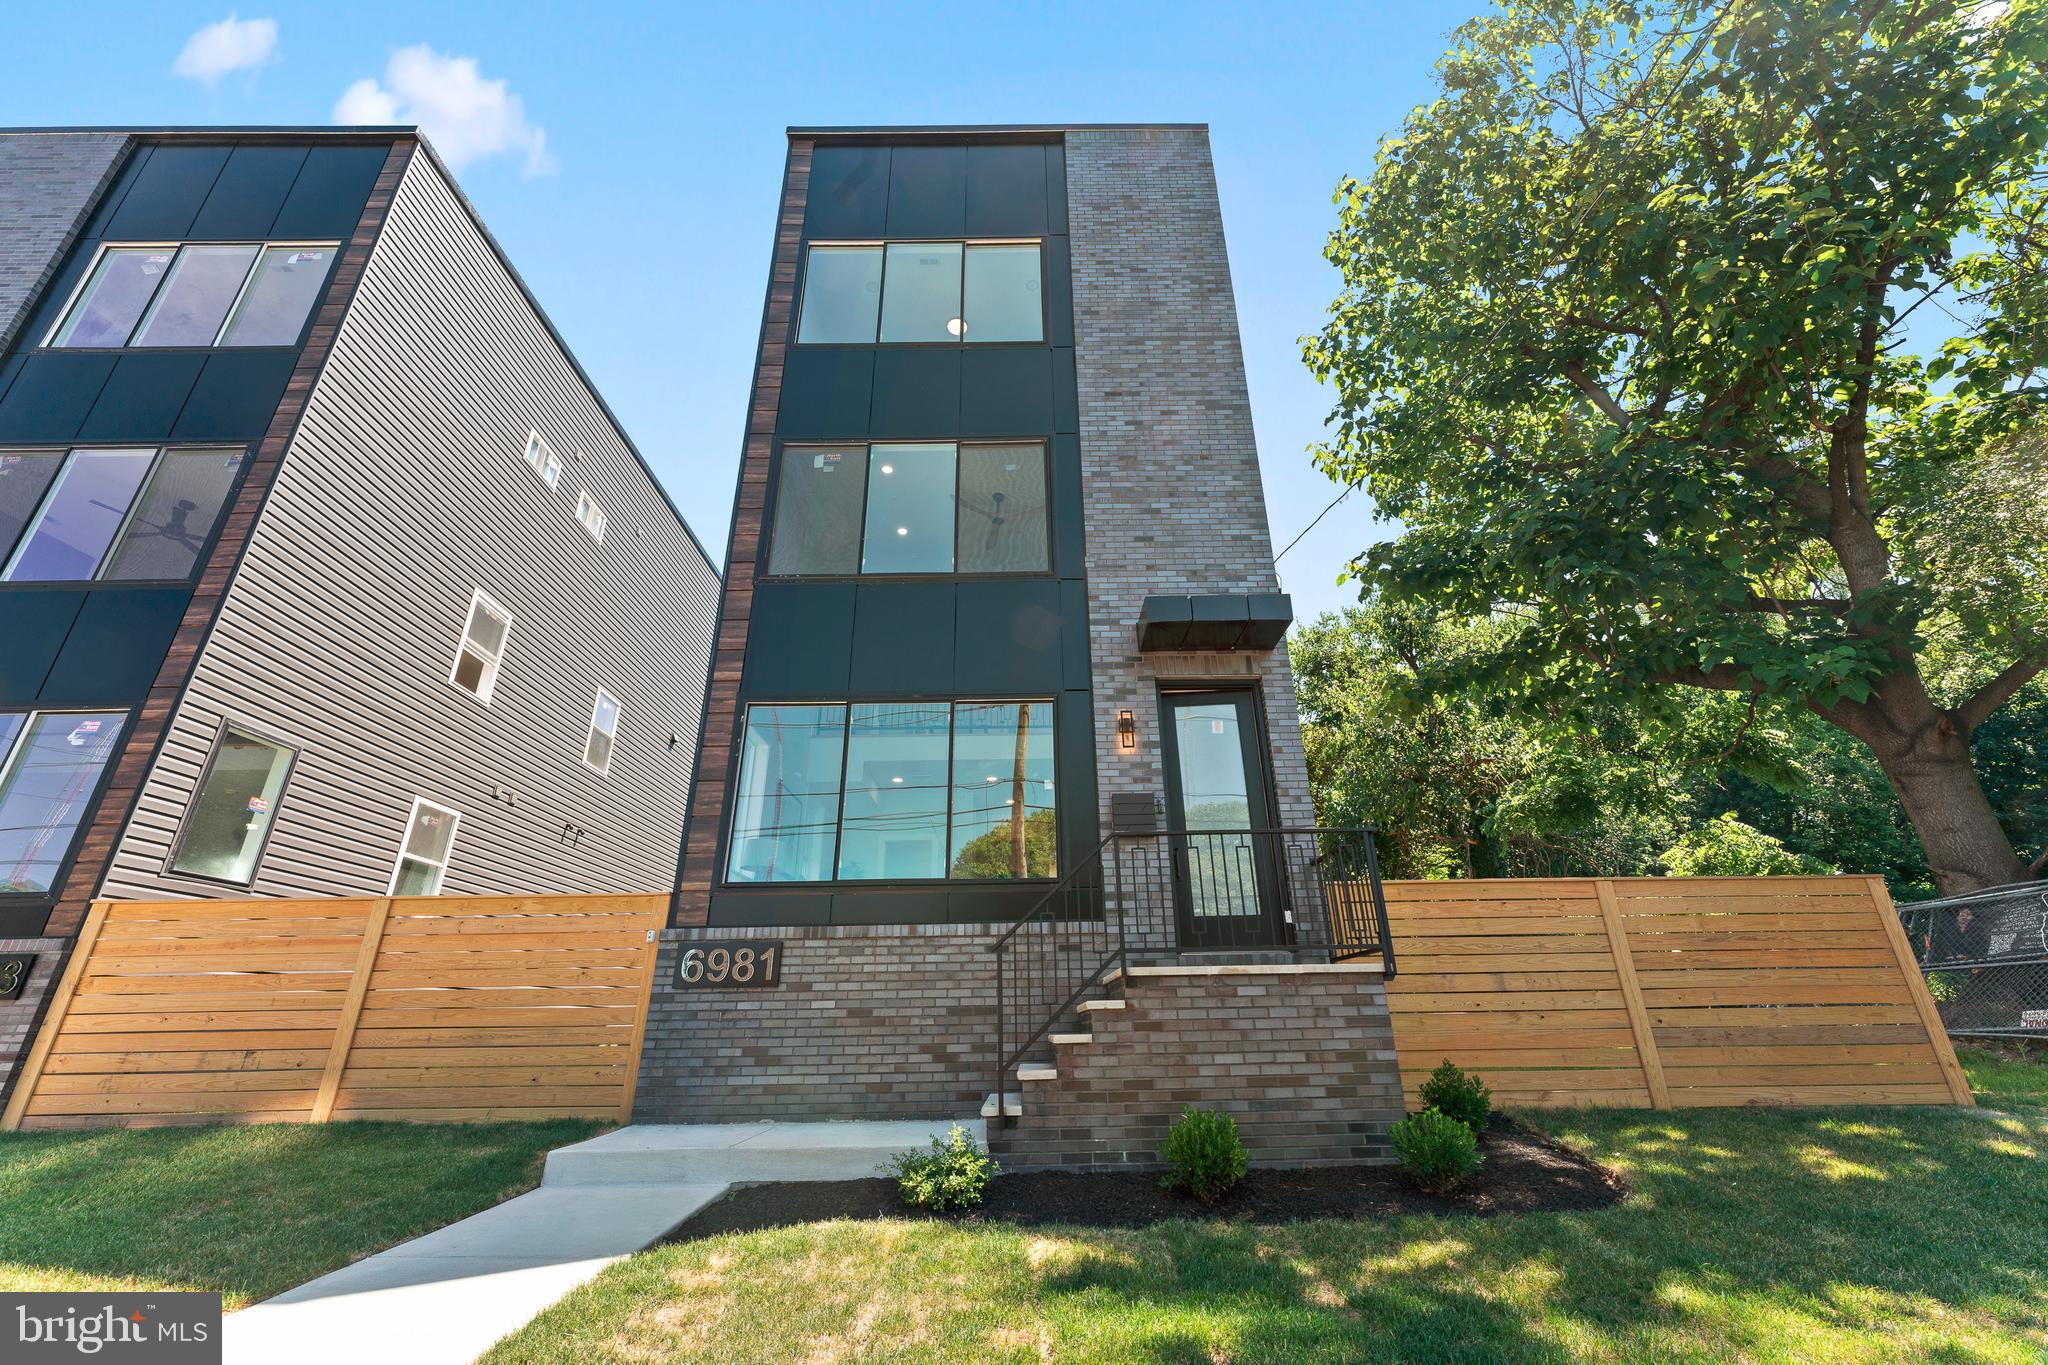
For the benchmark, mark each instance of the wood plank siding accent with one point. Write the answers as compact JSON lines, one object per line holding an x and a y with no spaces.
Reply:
{"x":721,"y":697}
{"x":406,"y":490}
{"x":146,"y":731}
{"x":1666,"y":992}
{"x":424,"y":1008}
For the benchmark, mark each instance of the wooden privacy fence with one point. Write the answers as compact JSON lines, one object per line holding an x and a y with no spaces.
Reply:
{"x":1665,"y":992}
{"x":430,"y":1007}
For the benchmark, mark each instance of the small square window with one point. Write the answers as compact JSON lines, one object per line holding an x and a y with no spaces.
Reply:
{"x":541,"y":456}
{"x":604,"y":732}
{"x":590,"y":514}
{"x":483,"y":647}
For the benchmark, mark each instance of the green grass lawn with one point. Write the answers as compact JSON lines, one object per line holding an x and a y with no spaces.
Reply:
{"x":1816,"y":1235}
{"x":247,"y":1210}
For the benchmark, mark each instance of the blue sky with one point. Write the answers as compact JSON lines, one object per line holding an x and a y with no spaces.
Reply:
{"x":629,"y":161}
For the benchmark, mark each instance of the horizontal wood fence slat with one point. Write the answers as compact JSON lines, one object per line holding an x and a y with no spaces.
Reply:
{"x":421,"y":1008}
{"x":1666,"y":992}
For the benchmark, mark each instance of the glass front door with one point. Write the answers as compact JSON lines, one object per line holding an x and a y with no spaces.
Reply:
{"x":1224,"y":888}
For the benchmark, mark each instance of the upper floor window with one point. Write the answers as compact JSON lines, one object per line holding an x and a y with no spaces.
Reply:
{"x":895,"y":791}
{"x":483,"y":647}
{"x":50,"y":768}
{"x":542,"y":457}
{"x":910,"y":292}
{"x":200,"y":294}
{"x":118,"y":513}
{"x":604,"y":732}
{"x":590,"y":514}
{"x":922,"y":508}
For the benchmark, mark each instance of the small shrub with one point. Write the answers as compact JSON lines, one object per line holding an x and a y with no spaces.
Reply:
{"x":1944,"y":987}
{"x":1436,"y":1150}
{"x":954,"y":1174}
{"x":1458,"y":1093}
{"x":1204,"y":1154}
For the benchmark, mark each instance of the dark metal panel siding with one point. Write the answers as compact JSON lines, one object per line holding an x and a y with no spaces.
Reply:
{"x":403,"y":491}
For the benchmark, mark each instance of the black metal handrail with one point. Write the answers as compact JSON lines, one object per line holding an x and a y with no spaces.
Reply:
{"x":1309,"y":892}
{"x":1051,"y":957}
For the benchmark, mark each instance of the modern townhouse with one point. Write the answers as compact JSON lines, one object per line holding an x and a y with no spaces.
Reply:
{"x":1000,"y":715}
{"x":324,"y":569}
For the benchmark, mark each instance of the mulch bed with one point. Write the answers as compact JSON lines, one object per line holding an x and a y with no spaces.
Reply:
{"x":1524,"y":1172}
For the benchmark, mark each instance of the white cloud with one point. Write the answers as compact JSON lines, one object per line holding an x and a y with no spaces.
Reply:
{"x":231,"y":45}
{"x":466,"y":117}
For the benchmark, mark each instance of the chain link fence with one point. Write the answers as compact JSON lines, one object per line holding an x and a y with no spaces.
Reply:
{"x":1985,"y":956}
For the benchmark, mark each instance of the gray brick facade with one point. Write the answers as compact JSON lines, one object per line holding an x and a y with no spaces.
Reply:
{"x":1303,"y":1061}
{"x":48,"y":182}
{"x":871,"y":1022}
{"x":1168,"y":461}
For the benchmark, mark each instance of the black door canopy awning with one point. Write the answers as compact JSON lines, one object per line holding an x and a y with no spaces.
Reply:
{"x":1214,"y":621}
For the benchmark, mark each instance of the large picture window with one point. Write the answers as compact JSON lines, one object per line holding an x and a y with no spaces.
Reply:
{"x":50,"y":768}
{"x":131,"y":515}
{"x":895,"y":791}
{"x":921,"y":292}
{"x":200,"y":295}
{"x":911,"y":508}
{"x":231,"y":815}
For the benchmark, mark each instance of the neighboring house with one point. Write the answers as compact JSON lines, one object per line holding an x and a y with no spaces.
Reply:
{"x":323,"y":568}
{"x":999,"y":582}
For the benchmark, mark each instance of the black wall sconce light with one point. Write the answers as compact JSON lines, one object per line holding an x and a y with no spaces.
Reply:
{"x":1126,"y":731}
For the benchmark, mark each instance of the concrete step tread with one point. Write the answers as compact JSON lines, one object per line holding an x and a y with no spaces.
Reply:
{"x":664,"y":1154}
{"x":1069,"y":1039}
{"x":1090,"y":1006}
{"x":1013,"y":1105}
{"x":1037,"y":1073}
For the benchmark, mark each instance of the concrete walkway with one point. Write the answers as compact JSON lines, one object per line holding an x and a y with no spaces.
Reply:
{"x":444,"y":1298}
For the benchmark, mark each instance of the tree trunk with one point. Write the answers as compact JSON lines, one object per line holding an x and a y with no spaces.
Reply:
{"x":1936,"y":779}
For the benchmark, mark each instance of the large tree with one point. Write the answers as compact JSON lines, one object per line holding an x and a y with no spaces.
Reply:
{"x":1625,"y":343}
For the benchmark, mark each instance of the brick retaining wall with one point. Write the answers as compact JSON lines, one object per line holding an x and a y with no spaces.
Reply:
{"x":1302,"y":1059}
{"x":870,"y":1022}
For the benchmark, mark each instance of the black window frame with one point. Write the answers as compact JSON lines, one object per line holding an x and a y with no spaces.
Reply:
{"x":45,"y":343}
{"x":129,"y":715}
{"x":64,"y":450}
{"x":725,"y":881}
{"x":772,"y":511}
{"x":796,"y":321}
{"x":177,"y":848}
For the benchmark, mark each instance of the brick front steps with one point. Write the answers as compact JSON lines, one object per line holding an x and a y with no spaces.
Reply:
{"x":1300,"y":1054}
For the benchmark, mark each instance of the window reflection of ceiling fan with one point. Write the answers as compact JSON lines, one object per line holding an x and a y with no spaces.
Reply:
{"x":994,"y":513}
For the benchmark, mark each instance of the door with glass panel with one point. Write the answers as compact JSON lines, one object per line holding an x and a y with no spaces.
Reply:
{"x":1225,"y":893}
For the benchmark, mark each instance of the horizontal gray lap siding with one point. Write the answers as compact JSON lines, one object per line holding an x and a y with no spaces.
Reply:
{"x":403,"y":491}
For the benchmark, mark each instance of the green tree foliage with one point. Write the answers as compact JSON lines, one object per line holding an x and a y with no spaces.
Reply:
{"x":1726,"y":847}
{"x":993,"y":854}
{"x":1460,"y":784}
{"x":1619,"y":344}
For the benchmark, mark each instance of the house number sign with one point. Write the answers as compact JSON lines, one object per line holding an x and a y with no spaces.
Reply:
{"x":14,"y":970}
{"x":706,"y":966}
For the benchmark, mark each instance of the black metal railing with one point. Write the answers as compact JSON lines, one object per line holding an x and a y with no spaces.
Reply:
{"x":1153,"y":895}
